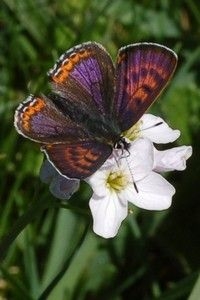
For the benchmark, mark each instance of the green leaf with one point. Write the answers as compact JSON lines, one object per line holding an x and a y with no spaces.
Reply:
{"x":195,"y":291}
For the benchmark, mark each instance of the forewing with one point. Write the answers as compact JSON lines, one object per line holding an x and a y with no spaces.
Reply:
{"x":142,"y":72}
{"x":37,"y":118}
{"x":78,"y":160}
{"x":84,"y":76}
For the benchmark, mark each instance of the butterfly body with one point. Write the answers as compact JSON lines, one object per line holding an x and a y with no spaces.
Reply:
{"x":93,"y":102}
{"x":97,"y":125}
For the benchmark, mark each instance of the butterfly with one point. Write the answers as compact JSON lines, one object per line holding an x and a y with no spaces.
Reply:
{"x":93,"y":102}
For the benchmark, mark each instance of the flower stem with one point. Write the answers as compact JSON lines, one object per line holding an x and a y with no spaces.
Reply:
{"x":32,"y":212}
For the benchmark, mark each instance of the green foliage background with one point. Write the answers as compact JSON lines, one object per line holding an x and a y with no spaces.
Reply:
{"x":156,"y":254}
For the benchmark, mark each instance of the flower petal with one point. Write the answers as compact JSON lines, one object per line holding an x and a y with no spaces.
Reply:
{"x":108,"y":213}
{"x":98,"y":181}
{"x":140,"y":160}
{"x":171,"y":159}
{"x":154,"y":193}
{"x":157,"y":130}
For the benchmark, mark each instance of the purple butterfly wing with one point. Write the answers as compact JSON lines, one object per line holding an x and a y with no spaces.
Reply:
{"x":142,"y":72}
{"x":84,"y":76}
{"x":38,"y":119}
{"x":78,"y":160}
{"x":68,"y":146}
{"x":83,"y":87}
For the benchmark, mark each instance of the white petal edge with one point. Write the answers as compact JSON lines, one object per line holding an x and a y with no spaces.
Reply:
{"x":171,"y":159}
{"x":98,"y":181}
{"x":161,"y":133}
{"x":154,"y":193}
{"x":108,"y":213}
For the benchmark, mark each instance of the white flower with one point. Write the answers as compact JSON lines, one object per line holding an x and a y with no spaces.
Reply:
{"x":129,"y":179}
{"x":127,"y":176}
{"x":153,"y":128}
{"x":171,"y":159}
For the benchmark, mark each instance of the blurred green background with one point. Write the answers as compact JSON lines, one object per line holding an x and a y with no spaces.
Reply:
{"x":156,"y":255}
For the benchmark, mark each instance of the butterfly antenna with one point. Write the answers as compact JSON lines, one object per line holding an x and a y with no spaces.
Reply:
{"x":116,"y":158}
{"x":135,"y":186}
{"x":152,"y":126}
{"x":134,"y":183}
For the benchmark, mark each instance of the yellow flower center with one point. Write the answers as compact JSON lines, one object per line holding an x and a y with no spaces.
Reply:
{"x":117,"y":181}
{"x":133,"y":132}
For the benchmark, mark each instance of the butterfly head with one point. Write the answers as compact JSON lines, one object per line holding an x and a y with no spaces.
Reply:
{"x":122,"y":144}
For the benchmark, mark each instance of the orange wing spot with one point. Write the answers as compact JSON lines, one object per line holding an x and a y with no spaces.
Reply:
{"x":85,"y":53}
{"x":38,"y":104}
{"x":49,"y":146}
{"x":75,"y":57}
{"x":83,"y":163}
{"x":91,"y":156}
{"x":140,"y":94}
{"x":82,"y":169}
{"x":69,"y":65}
{"x":31,"y":110}
{"x":152,"y":83}
{"x":85,"y":158}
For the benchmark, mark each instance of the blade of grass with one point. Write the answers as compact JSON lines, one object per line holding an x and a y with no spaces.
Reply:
{"x":19,"y":289}
{"x":58,"y":277}
{"x":195,"y":294}
{"x":22,"y":222}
